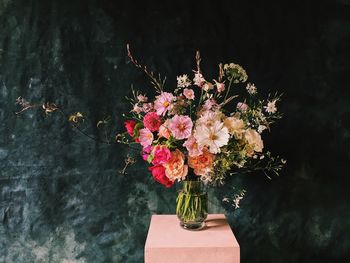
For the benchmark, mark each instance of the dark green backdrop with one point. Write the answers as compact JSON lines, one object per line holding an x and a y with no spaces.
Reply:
{"x":61,"y":196}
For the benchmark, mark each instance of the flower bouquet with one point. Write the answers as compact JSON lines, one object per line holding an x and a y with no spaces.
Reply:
{"x":199,"y":133}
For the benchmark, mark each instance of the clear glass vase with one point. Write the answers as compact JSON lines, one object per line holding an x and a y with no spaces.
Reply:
{"x":192,"y":205}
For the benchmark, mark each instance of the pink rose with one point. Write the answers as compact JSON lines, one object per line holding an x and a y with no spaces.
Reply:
{"x":158,"y":173}
{"x":189,"y":94}
{"x":161,"y":154}
{"x":152,"y":121}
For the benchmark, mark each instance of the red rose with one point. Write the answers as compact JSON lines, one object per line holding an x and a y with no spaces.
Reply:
{"x":129,"y":126}
{"x":152,"y":121}
{"x":158,"y":173}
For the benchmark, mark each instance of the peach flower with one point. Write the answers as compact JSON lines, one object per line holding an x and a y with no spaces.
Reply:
{"x":202,"y":164}
{"x":175,"y":168}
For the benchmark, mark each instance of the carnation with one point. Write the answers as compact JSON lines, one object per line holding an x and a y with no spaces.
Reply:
{"x":152,"y":121}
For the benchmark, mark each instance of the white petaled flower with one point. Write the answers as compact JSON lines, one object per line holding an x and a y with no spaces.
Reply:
{"x":209,"y":118}
{"x":261,"y":128}
{"x":183,"y":81}
{"x":213,"y":137}
{"x":251,"y":89}
{"x":271,"y":107}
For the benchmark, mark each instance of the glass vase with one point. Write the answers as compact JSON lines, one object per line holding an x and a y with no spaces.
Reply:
{"x":192,"y":205}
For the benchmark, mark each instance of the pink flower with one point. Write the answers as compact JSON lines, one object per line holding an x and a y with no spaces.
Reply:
{"x":198,"y":79}
{"x":161,"y":155}
{"x":158,"y":173}
{"x":137,"y":108}
{"x":142,"y":98}
{"x":219,"y":86}
{"x":146,"y":152}
{"x":192,"y":147}
{"x":163,"y":103}
{"x":242,"y":107}
{"x":189,"y":94}
{"x":152,"y":121}
{"x":209,"y":104}
{"x":207,"y":86}
{"x":181,"y":126}
{"x":164,"y":131}
{"x":146,"y":137}
{"x":175,"y":168}
{"x":147,"y":107}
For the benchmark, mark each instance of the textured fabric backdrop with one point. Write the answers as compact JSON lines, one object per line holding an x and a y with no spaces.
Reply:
{"x":62,"y":198}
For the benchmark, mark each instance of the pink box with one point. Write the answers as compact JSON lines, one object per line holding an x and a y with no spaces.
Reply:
{"x":167,"y":242}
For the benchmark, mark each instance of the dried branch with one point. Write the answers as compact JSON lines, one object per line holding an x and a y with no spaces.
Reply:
{"x":157,"y":83}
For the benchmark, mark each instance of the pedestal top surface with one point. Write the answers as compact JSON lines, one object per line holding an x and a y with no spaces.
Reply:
{"x":165,"y":232}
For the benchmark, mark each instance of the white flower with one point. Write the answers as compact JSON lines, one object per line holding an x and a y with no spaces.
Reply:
{"x":261,"y":128}
{"x":271,"y":107}
{"x":254,"y":139}
{"x":208,"y":118}
{"x":251,"y":89}
{"x":183,"y":81}
{"x":213,"y":137}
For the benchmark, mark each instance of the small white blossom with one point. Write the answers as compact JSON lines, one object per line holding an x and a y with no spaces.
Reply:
{"x":261,"y":128}
{"x":183,"y":81}
{"x":237,"y":199}
{"x":283,"y":161}
{"x":251,"y":89}
{"x":262,"y":157}
{"x":271,"y":107}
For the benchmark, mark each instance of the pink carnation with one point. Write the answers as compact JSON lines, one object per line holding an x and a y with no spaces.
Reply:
{"x":146,"y":137}
{"x":161,"y":154}
{"x":163,"y":103}
{"x":189,"y":94}
{"x":152,"y":121}
{"x":181,"y":126}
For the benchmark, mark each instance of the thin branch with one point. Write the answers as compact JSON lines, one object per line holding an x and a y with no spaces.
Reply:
{"x":157,"y":83}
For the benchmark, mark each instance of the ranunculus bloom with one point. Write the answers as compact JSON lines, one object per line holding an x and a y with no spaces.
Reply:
{"x":181,"y":126}
{"x":175,"y":168}
{"x":254,"y":139}
{"x":129,"y":126}
{"x":152,"y":121}
{"x":146,"y":137}
{"x":202,"y":164}
{"x":192,"y":146}
{"x":161,"y":154}
{"x":189,"y":94}
{"x":163,"y":103}
{"x":146,"y":152}
{"x":158,"y":173}
{"x":235,"y":126}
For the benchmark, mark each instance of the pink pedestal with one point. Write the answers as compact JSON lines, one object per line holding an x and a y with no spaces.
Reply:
{"x":167,"y":242}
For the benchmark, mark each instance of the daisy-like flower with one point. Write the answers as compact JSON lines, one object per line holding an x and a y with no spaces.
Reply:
{"x":251,"y":89}
{"x":163,"y":103}
{"x":183,"y":81}
{"x":261,"y":128}
{"x":192,"y":147}
{"x":146,"y":137}
{"x":214,"y":137}
{"x":198,"y":79}
{"x":181,"y":126}
{"x":271,"y":107}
